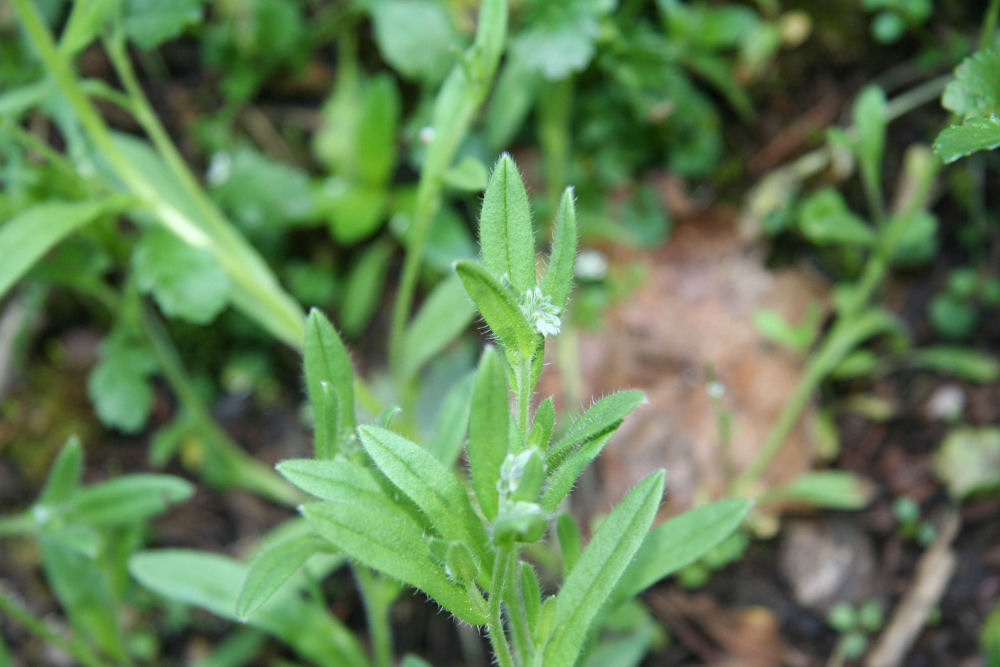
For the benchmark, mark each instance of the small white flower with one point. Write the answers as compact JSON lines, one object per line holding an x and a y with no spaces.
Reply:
{"x":540,"y":312}
{"x":426,"y":135}
{"x":219,"y":168}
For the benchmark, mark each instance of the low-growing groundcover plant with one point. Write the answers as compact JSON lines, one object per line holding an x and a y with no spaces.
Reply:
{"x":400,"y":511}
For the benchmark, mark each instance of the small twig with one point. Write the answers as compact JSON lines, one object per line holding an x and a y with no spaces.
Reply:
{"x":934,"y":570}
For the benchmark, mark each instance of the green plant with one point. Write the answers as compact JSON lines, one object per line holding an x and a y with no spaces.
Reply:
{"x":402,"y":513}
{"x":86,"y":535}
{"x":854,"y":624}
{"x":954,"y":312}
{"x":911,"y":526}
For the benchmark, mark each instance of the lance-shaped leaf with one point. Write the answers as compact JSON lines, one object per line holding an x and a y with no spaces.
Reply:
{"x":679,"y":542}
{"x":452,"y":423}
{"x":373,"y":530}
{"x":499,"y":309}
{"x":565,"y":473}
{"x":505,"y":234}
{"x":599,"y":568}
{"x":272,"y":567}
{"x":27,"y":236}
{"x":127,"y":500}
{"x":558,"y":278}
{"x":213,"y":582}
{"x":602,"y":416}
{"x":434,"y":489}
{"x":488,"y":424}
{"x":327,"y":362}
{"x":329,"y":480}
{"x":64,"y":476}
{"x":542,"y":424}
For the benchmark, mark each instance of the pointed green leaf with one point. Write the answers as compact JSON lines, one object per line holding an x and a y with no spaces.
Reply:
{"x":499,"y":309}
{"x":64,"y":476}
{"x":444,"y":315}
{"x":680,"y":541}
{"x":374,"y":531}
{"x":27,"y":236}
{"x":870,"y":119}
{"x":127,"y":500}
{"x":326,"y":360}
{"x":531,"y":591}
{"x":434,"y":489}
{"x":488,"y":423}
{"x":86,"y":20}
{"x":363,"y":289}
{"x":965,"y":363}
{"x":975,"y":134}
{"x":563,"y":476}
{"x":329,"y":480}
{"x":569,"y":541}
{"x":213,"y":582}
{"x":149,"y":23}
{"x":558,"y":278}
{"x":601,"y":564}
{"x":602,"y":415}
{"x":376,"y":135}
{"x":272,"y":568}
{"x":825,"y":219}
{"x":828,"y":489}
{"x":505,"y":233}
{"x":542,"y":424}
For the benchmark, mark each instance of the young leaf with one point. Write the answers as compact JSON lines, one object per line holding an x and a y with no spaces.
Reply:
{"x":119,"y":384}
{"x":558,"y":278}
{"x":272,"y":568}
{"x":376,"y":135}
{"x":975,"y":134}
{"x":213,"y":582}
{"x":415,"y":37}
{"x":962,"y":362}
{"x":542,"y":424}
{"x":600,"y":566}
{"x":678,"y":542}
{"x":326,"y":361}
{"x":185,"y":280}
{"x":443,"y":316}
{"x":602,"y":415}
{"x":27,"y":236}
{"x":376,"y":532}
{"x":425,"y":480}
{"x":64,"y":476}
{"x":127,"y":500}
{"x":495,"y":303}
{"x":86,"y":20}
{"x":505,"y":233}
{"x":488,"y":424}
{"x":825,"y":219}
{"x":531,"y":591}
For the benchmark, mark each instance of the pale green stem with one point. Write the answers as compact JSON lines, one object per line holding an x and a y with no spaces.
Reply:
{"x":498,"y":640}
{"x":37,"y":627}
{"x":377,"y":612}
{"x":19,"y":524}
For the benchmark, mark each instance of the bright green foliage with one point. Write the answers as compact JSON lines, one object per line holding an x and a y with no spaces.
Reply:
{"x":560,"y":37}
{"x":416,"y":37}
{"x":603,"y":416}
{"x":505,"y":232}
{"x":974,"y":96}
{"x":330,"y":381}
{"x":559,"y":274}
{"x":27,"y":236}
{"x":595,"y":575}
{"x":272,"y":568}
{"x":828,"y":489}
{"x":185,"y":280}
{"x":150,"y":22}
{"x":119,"y":384}
{"x":825,"y":219}
{"x":498,"y":307}
{"x":488,"y":430}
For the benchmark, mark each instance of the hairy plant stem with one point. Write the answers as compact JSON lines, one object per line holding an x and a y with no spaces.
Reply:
{"x":38,"y":627}
{"x":259,"y":295}
{"x":494,"y":627}
{"x":514,"y":599}
{"x":377,"y":612}
{"x":524,"y":391}
{"x":463,"y":92}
